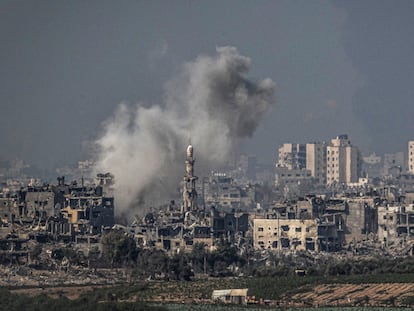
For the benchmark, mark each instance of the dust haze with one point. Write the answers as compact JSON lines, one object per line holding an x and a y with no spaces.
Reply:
{"x":211,"y":104}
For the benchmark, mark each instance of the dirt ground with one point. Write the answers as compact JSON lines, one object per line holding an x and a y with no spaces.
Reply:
{"x":72,"y":292}
{"x":383,"y":294}
{"x":355,"y":294}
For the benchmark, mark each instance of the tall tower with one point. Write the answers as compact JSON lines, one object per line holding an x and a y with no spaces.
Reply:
{"x":189,"y":187}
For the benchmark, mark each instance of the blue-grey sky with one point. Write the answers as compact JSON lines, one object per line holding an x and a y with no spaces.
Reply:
{"x":339,"y":66}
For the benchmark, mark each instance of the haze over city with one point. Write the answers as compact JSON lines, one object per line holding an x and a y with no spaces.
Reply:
{"x":338,"y":67}
{"x":182,"y":155}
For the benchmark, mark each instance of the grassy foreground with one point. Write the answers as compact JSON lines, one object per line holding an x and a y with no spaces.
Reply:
{"x":185,"y":295}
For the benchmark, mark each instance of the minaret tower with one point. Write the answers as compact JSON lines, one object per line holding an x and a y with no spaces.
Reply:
{"x":189,"y":189}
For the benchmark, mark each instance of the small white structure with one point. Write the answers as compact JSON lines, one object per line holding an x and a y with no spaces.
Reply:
{"x":236,"y":296}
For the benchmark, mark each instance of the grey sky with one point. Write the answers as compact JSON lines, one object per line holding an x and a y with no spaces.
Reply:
{"x":340,"y":67}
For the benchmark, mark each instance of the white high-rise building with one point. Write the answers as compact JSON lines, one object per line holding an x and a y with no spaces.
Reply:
{"x":411,"y":156}
{"x":343,"y":161}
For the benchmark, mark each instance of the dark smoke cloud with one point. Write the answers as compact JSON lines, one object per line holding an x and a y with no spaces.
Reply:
{"x":211,"y":103}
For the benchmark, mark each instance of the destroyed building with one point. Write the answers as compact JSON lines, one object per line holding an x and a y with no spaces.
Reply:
{"x":285,"y":234}
{"x":179,"y":228}
{"x":396,"y":227}
{"x":222,"y":192}
{"x":60,"y":211}
{"x":218,"y":209}
{"x":306,"y":224}
{"x":229,"y":211}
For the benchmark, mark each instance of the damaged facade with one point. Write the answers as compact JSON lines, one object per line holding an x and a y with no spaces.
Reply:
{"x":54,"y":212}
{"x":179,"y":228}
{"x":221,"y":209}
{"x":396,"y":226}
{"x":307,"y":224}
{"x":317,"y":223}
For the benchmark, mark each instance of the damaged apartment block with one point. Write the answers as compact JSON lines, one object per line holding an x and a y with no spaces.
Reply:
{"x":58,"y":212}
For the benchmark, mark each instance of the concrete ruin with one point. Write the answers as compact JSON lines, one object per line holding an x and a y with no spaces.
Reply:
{"x":218,"y":209}
{"x":62,"y":212}
{"x":179,"y":229}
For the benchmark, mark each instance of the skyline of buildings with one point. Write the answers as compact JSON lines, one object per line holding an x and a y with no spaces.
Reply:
{"x":322,"y":163}
{"x":301,"y":159}
{"x":329,"y":217}
{"x":337,"y":162}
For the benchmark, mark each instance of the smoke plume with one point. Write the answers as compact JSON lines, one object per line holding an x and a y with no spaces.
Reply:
{"x":210,"y":104}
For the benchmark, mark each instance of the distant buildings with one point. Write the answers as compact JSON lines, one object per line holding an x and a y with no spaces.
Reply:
{"x":324,"y":206}
{"x":316,"y":161}
{"x":219,"y":217}
{"x":292,"y":156}
{"x":338,"y":162}
{"x":285,"y":176}
{"x":59,"y":211}
{"x":291,"y":169}
{"x":343,"y":161}
{"x":372,"y":166}
{"x":393,"y":163}
{"x":221,"y":191}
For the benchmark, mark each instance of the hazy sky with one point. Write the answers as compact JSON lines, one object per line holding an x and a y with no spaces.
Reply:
{"x":340,"y":67}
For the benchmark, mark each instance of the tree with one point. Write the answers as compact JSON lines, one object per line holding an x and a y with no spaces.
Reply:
{"x":152,"y":262}
{"x":228,"y":253}
{"x":179,"y":267}
{"x":118,"y":248}
{"x":198,"y":257}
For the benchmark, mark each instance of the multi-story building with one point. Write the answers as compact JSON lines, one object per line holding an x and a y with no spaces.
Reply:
{"x":221,"y":191}
{"x":361,"y":217}
{"x":343,"y":161}
{"x":88,"y":212}
{"x":285,"y":234}
{"x":396,"y":225}
{"x":292,"y":156}
{"x":285,"y":176}
{"x":310,"y":157}
{"x":338,"y":162}
{"x":59,"y":211}
{"x":316,"y":161}
{"x":299,"y":163}
{"x":411,"y":156}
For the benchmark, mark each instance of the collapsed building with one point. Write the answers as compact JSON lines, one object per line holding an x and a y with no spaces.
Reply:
{"x":88,"y":210}
{"x":178,"y":228}
{"x":224,"y":211}
{"x":396,"y":227}
{"x":221,"y":191}
{"x":62,"y":212}
{"x":348,"y":222}
{"x":312,"y":223}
